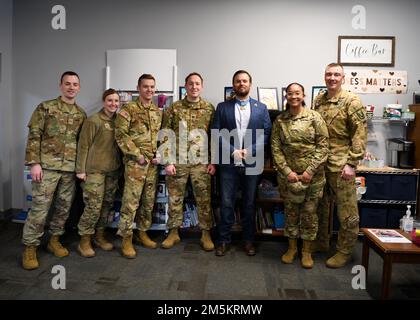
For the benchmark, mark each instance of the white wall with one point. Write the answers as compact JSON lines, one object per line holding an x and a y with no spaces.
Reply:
{"x":6,"y":104}
{"x":277,"y":41}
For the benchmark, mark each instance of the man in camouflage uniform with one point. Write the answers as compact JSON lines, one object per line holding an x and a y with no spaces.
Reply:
{"x":299,"y":145}
{"x":190,"y":119}
{"x":51,"y":152}
{"x":136,"y":129}
{"x":98,"y":163}
{"x":345,"y":116}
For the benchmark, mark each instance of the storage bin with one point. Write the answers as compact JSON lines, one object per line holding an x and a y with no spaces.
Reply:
{"x":371,"y":217}
{"x":394,"y":216}
{"x":378,"y":187}
{"x":278,"y":220}
{"x":403,"y":187}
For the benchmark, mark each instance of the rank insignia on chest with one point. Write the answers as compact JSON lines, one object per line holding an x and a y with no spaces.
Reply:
{"x":70,"y":121}
{"x":107,"y":126}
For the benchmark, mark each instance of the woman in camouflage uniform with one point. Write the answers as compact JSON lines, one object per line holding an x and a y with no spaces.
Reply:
{"x":98,"y":163}
{"x":299,"y":144}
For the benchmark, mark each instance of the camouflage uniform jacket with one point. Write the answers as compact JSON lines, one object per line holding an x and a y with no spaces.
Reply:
{"x":53,"y":132}
{"x":97,"y":150}
{"x":136,"y":130}
{"x":299,"y":143}
{"x":345,"y":116}
{"x":189,"y":116}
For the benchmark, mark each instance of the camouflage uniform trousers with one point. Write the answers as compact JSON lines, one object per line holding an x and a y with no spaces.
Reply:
{"x":139,"y":187}
{"x":301,"y":216}
{"x":98,"y":195}
{"x":63,"y":185}
{"x":201,"y":185}
{"x":344,"y":194}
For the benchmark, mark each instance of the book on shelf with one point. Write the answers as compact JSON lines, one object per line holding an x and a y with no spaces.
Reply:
{"x":269,"y":220}
{"x":186,"y":222}
{"x":190,"y":217}
{"x":262,"y":225}
{"x":389,"y":236}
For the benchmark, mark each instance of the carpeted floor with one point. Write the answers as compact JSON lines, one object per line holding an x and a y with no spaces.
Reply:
{"x":187,"y":272}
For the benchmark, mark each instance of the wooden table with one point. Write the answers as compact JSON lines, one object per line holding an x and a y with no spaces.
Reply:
{"x":390,"y":253}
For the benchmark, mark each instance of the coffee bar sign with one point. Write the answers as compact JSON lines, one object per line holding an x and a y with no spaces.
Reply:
{"x":375,"y":81}
{"x":366,"y":51}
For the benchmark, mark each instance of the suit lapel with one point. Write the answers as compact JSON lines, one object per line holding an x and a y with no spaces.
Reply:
{"x":253,"y":107}
{"x":231,"y":114}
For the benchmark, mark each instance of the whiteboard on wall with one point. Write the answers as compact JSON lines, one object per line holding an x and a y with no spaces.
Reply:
{"x":124,"y":67}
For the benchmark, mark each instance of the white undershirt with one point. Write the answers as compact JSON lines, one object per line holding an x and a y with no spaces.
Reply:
{"x":242,"y":116}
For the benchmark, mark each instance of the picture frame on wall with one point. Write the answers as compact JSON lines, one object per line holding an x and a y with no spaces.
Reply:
{"x":416,"y":97}
{"x":315,"y":92}
{"x":229,"y":94}
{"x":269,"y":96}
{"x":283,"y":98}
{"x":182,"y":93}
{"x":375,"y":51}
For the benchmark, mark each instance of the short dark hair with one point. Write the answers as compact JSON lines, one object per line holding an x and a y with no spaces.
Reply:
{"x":334,"y":64}
{"x":108,"y":93}
{"x":194,"y":74}
{"x":69,"y":73}
{"x":239,"y":72}
{"x":145,"y":76}
{"x":303,"y":91}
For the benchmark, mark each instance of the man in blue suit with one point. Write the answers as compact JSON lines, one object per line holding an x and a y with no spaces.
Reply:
{"x":241,"y":128}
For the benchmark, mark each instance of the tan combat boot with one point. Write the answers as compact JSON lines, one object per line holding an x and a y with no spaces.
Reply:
{"x":320,"y":246}
{"x":205,"y":241}
{"x":338,"y":260}
{"x":85,"y":247}
{"x":127,"y":247}
{"x":101,"y":242}
{"x":306,"y":260}
{"x":172,"y":239}
{"x":29,"y":260}
{"x":291,"y":253}
{"x":143,"y":239}
{"x":55,"y":247}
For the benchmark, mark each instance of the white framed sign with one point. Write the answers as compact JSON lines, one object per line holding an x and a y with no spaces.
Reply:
{"x":366,"y":51}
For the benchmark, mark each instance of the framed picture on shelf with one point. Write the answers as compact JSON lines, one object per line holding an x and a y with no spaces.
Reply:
{"x":375,"y":51}
{"x":315,"y":92}
{"x":182,"y":93}
{"x":283,"y":98}
{"x":229,"y":94}
{"x":269,"y":97}
{"x":161,"y":190}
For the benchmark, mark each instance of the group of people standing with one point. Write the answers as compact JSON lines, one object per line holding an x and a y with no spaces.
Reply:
{"x":315,"y":153}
